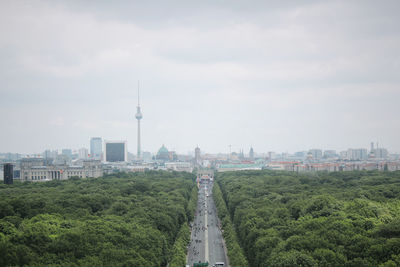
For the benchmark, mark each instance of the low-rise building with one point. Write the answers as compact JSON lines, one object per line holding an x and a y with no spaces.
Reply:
{"x":179,"y":166}
{"x":35,"y":170}
{"x":239,"y":167}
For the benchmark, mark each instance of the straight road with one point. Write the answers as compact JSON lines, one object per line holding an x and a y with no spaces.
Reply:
{"x":206,"y":244}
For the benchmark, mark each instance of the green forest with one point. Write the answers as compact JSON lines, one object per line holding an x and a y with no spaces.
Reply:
{"x":319,"y":219}
{"x":119,"y":220}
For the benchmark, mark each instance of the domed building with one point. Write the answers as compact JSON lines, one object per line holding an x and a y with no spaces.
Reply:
{"x":162,"y":154}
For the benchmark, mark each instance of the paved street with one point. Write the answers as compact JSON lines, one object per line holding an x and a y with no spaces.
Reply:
{"x":206,"y":244}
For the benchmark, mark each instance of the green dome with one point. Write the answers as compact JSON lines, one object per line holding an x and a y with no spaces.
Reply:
{"x":162,"y":150}
{"x":163,"y":153}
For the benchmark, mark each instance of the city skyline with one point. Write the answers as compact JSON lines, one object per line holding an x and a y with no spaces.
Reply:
{"x":239,"y":150}
{"x":277,"y":77}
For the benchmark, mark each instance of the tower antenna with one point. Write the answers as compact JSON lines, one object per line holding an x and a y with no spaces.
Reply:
{"x":138,"y":91}
{"x":138,"y":116}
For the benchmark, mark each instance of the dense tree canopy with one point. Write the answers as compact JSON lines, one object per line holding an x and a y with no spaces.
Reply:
{"x":120,"y":220}
{"x":235,"y":252}
{"x":323,"y":219}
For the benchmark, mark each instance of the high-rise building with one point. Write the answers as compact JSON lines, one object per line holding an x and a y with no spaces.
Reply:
{"x":357,"y":154}
{"x":241,"y":154}
{"x":197,"y":155}
{"x":344,"y":155}
{"x":328,"y":154}
{"x":83,"y":153}
{"x":251,"y":153}
{"x":300,"y":154}
{"x":115,"y":151}
{"x":316,"y":153}
{"x":271,"y":155}
{"x":48,"y":154}
{"x":138,"y":116}
{"x":67,"y":152}
{"x":381,"y":153}
{"x":8,"y":173}
{"x":96,"y":147}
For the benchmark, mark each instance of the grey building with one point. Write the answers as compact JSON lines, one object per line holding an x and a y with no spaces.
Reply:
{"x":96,"y":147}
{"x":197,"y":155}
{"x":146,"y":156}
{"x":67,"y":152}
{"x":115,"y":151}
{"x":8,"y":173}
{"x":83,"y":153}
{"x":34,"y":170}
{"x":381,"y":153}
{"x":251,"y":153}
{"x":357,"y":154}
{"x":316,"y":153}
{"x":330,"y":154}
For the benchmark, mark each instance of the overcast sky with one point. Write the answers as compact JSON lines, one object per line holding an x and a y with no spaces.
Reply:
{"x":281,"y":76}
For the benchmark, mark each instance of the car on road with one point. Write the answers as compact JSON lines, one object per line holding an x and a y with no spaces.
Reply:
{"x":219,"y":264}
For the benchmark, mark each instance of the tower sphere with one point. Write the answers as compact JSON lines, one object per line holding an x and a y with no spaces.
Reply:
{"x":138,"y":115}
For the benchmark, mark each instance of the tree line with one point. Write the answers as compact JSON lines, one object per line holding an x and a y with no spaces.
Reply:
{"x":117,"y":220}
{"x":321,"y":219}
{"x":235,"y":252}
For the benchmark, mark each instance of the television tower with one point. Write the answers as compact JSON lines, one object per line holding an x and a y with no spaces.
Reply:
{"x":138,"y":116}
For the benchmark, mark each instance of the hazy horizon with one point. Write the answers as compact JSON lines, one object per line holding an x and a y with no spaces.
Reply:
{"x":280,"y":76}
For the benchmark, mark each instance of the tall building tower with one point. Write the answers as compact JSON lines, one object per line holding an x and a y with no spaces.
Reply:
{"x":197,"y":156}
{"x":251,"y":153}
{"x":96,"y":147}
{"x":8,"y":173}
{"x":138,"y":116}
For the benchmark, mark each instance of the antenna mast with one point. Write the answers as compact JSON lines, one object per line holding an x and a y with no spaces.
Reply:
{"x":138,"y":116}
{"x":138,"y":98}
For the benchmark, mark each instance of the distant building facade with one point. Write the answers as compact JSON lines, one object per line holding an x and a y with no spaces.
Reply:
{"x":35,"y":170}
{"x":357,"y":154}
{"x":380,"y":153}
{"x":83,"y":153}
{"x":146,"y":156}
{"x":96,"y":147}
{"x":328,"y":154}
{"x":251,"y":154}
{"x":8,"y":173}
{"x":67,"y":152}
{"x":162,"y":154}
{"x":197,"y":155}
{"x":179,"y":166}
{"x":115,"y":151}
{"x":238,"y":167}
{"x":50,"y":154}
{"x":315,"y":153}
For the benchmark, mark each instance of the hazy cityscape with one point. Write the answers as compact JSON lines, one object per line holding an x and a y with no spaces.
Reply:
{"x":112,"y":156}
{"x":200,"y":133}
